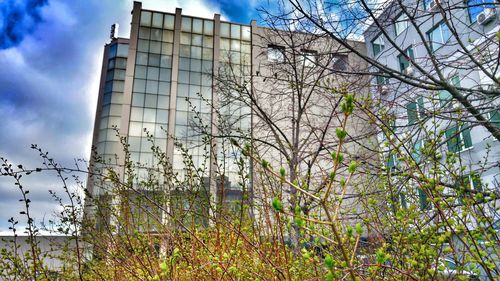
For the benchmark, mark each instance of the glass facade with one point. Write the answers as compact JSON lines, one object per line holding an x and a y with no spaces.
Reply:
{"x":235,"y":65}
{"x":194,"y":93}
{"x":108,"y":143}
{"x":151,"y":86}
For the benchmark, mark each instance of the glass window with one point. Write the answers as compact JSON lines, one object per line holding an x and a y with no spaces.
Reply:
{"x":138,"y":99}
{"x":150,"y":100}
{"x":377,"y":45}
{"x":162,"y":116}
{"x":139,"y":85}
{"x":142,"y":58}
{"x":197,"y":26}
{"x":401,"y":23}
{"x":438,"y":36}
{"x":157,"y":20}
{"x":135,"y":129}
{"x":164,"y":101}
{"x":195,"y":65}
{"x":136,"y":114}
{"x":494,"y":116}
{"x":427,"y":4}
{"x":153,"y":73}
{"x":208,"y":27}
{"x":121,"y":63}
{"x":168,"y":36}
{"x":165,"y":74}
{"x":246,"y":48}
{"x":155,"y":47}
{"x":144,"y":32}
{"x":154,"y":60}
{"x":475,"y":7}
{"x":235,"y":31}
{"x":340,"y":62}
{"x":119,"y":74}
{"x":182,"y":104}
{"x":404,"y":63}
{"x":195,"y":78}
{"x":309,"y":58}
{"x":182,"y":90}
{"x":163,"y":89}
{"x":166,"y":48}
{"x":152,"y":87}
{"x":415,"y":110}
{"x":156,"y":34}
{"x":186,"y":24}
{"x":381,"y":80}
{"x":208,"y":41}
{"x":112,"y":51}
{"x":275,"y":54}
{"x":145,"y":18}
{"x":122,"y":50}
{"x":225,"y":44}
{"x":197,"y":39}
{"x":246,"y":33}
{"x":149,"y":115}
{"x":184,"y":63}
{"x":207,"y":66}
{"x":185,"y":51}
{"x":445,"y":97}
{"x":458,"y":140}
{"x":168,"y":22}
{"x":166,"y":61}
{"x":196,"y":52}
{"x":185,"y":38}
{"x":183,"y":77}
{"x":194,"y":91}
{"x":235,"y":45}
{"x":224,"y":29}
{"x":143,"y":46}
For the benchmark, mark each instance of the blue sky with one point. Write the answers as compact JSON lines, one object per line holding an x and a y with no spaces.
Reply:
{"x":50,"y":56}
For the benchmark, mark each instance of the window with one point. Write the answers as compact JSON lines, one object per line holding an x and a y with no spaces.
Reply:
{"x":475,"y":7}
{"x":415,"y":110}
{"x":427,"y":4}
{"x":445,"y":97}
{"x":422,"y":198}
{"x":404,"y":63}
{"x":466,"y":183}
{"x":309,"y":58}
{"x":381,"y":80}
{"x":401,"y":24}
{"x":416,"y":153}
{"x":339,"y":62}
{"x":275,"y":54}
{"x":438,"y":35}
{"x":392,"y":162}
{"x":377,"y":45}
{"x":494,"y":117}
{"x":458,"y":138}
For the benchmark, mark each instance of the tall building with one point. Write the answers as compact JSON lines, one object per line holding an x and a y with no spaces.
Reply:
{"x":175,"y":82}
{"x":460,"y":47}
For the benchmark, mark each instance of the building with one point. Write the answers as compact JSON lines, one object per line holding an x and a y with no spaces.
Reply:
{"x":418,"y":45}
{"x":177,"y":82}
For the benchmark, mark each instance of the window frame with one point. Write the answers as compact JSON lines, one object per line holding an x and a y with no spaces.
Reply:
{"x":275,"y":49}
{"x":459,"y":134}
{"x":381,"y":46}
{"x":410,"y":53}
{"x":418,"y":112}
{"x":434,"y":44}
{"x":398,"y":22}
{"x":306,"y":60}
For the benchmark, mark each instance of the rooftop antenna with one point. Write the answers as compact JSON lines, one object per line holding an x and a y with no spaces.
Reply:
{"x":114,"y":31}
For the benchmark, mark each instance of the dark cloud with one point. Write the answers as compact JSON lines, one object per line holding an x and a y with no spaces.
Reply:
{"x":20,"y":18}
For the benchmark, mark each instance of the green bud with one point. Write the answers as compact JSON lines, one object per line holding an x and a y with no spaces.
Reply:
{"x":359,"y":229}
{"x":329,"y":262}
{"x":277,"y":205}
{"x":352,"y":167}
{"x":282,"y":172}
{"x":265,"y":164}
{"x":341,"y":133}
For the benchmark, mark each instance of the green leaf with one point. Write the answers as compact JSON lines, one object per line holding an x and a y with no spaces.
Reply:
{"x":352,"y":167}
{"x":359,"y":229}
